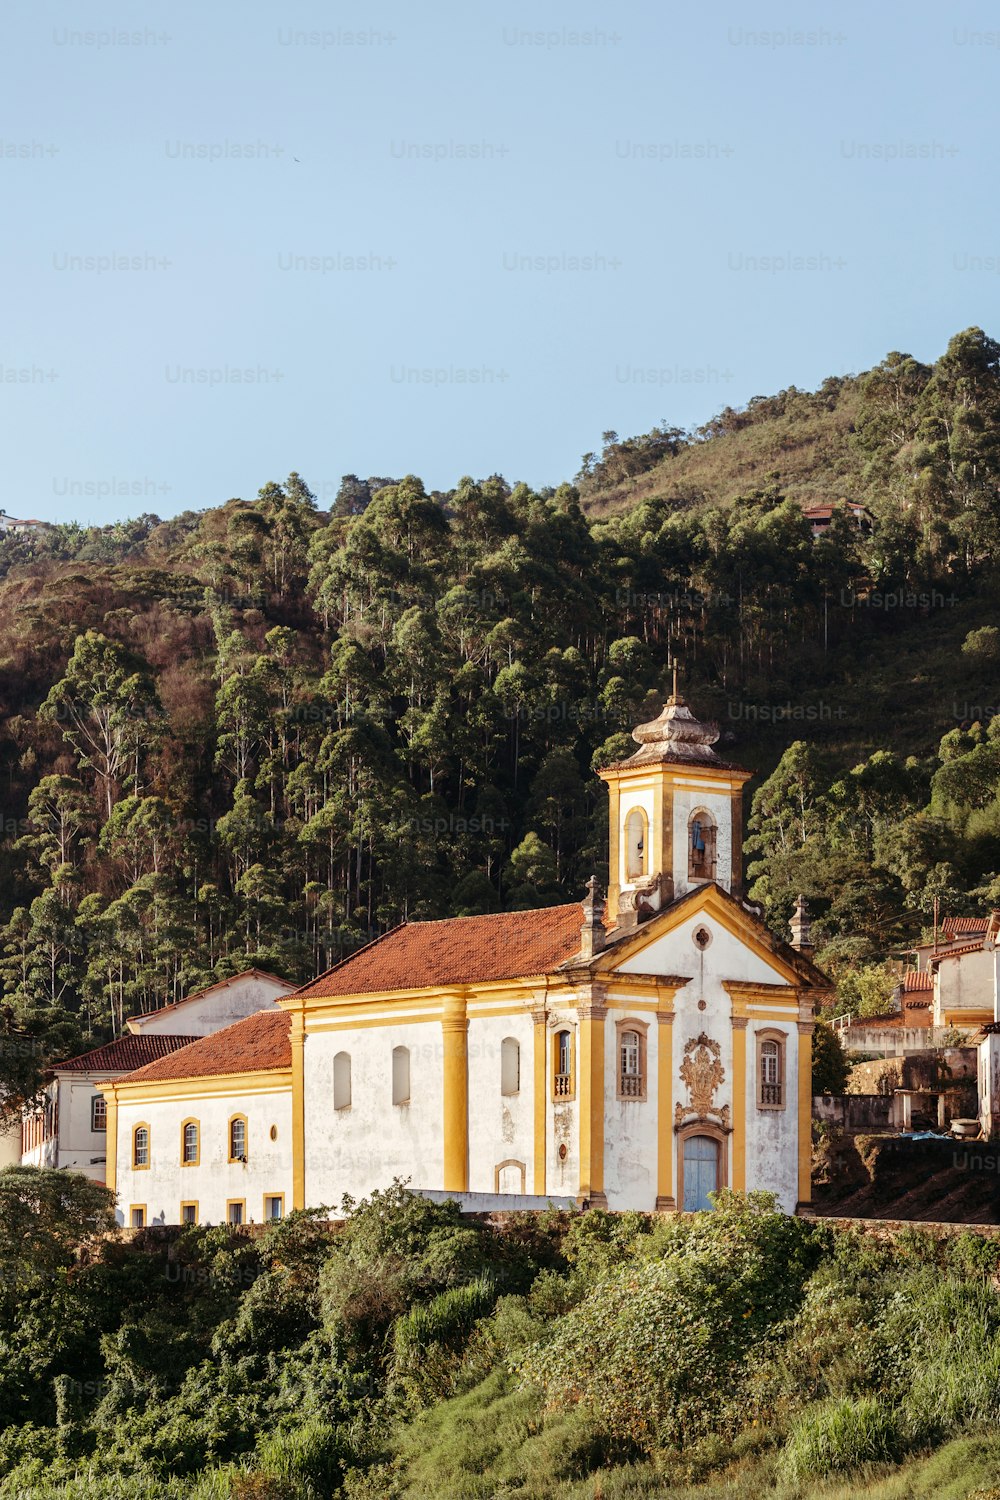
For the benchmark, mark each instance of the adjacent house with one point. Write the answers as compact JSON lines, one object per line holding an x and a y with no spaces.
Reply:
{"x":67,"y":1125}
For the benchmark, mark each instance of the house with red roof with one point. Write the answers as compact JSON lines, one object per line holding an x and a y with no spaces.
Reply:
{"x":636,"y":1053}
{"x":67,"y":1125}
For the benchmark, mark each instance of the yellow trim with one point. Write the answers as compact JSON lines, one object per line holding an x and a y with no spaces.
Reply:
{"x":138,"y":1208}
{"x":592,"y":1090}
{"x":676,"y":773}
{"x":396,"y":1018}
{"x":267,"y":1218}
{"x":967,"y":1017}
{"x":111,"y":1143}
{"x":739,"y":1106}
{"x":242,"y":1160}
{"x":142,"y":1166}
{"x":196,"y":1161}
{"x":540,"y":1102}
{"x":189,"y":1203}
{"x":455,"y":1077}
{"x":273,"y":1081}
{"x":614,"y":848}
{"x":804,"y":1064}
{"x":297,"y":1039}
{"x":231,"y":1203}
{"x":664,"y":1107}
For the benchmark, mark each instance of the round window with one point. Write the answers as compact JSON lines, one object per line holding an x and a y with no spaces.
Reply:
{"x":702,"y":938}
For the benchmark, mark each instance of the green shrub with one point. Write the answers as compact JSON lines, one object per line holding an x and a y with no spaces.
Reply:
{"x":841,"y":1436}
{"x":659,"y":1350}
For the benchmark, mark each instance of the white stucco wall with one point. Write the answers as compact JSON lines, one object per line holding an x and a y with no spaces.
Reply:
{"x":80,"y":1147}
{"x":965,"y":983}
{"x":215,"y":1179}
{"x":224,"y":1004}
{"x":365,"y":1146}
{"x":631,"y":1126}
{"x":989,"y":1085}
{"x":501,"y":1126}
{"x":10,"y":1147}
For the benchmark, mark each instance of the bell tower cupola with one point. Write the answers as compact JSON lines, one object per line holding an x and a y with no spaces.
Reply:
{"x":675,"y":815}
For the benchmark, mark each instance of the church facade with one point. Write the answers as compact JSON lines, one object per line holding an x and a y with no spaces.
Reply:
{"x":637,"y":1056}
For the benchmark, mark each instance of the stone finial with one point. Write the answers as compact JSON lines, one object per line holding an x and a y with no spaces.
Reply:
{"x":592,"y":932}
{"x":675,"y":734}
{"x":801,"y":927}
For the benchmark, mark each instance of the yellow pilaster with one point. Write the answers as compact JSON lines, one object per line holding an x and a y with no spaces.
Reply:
{"x":111,"y":1140}
{"x":805,"y":1111}
{"x":297,"y":1038}
{"x":614,"y":847}
{"x":455,"y":1034}
{"x":740,"y":1103}
{"x":541,"y":1086}
{"x":664,"y":1110}
{"x":736,"y":873}
{"x":591,"y":1069}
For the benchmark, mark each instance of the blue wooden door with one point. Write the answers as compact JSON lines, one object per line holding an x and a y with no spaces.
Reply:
{"x":701,"y":1171}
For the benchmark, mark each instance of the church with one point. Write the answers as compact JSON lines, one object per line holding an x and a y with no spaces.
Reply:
{"x":637,"y":1055}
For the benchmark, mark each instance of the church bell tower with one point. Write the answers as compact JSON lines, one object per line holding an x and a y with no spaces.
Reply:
{"x":675,"y":816}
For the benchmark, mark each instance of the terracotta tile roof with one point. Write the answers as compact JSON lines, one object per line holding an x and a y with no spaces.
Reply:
{"x":219,"y":984}
{"x":917,"y":981}
{"x":122,"y":1056}
{"x":951,"y":925}
{"x":258,"y":1044}
{"x":457,"y":950}
{"x":957,"y":951}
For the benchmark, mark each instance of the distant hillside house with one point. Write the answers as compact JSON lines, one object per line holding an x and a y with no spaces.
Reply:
{"x":67,"y":1126}
{"x":11,"y":523}
{"x":639,"y":1057}
{"x":820,"y":517}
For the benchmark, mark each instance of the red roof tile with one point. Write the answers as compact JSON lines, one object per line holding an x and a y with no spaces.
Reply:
{"x":964,"y":924}
{"x":122,"y":1056}
{"x":218,"y":984}
{"x":956,"y":952}
{"x":258,"y":1044}
{"x":917,"y":981}
{"x":457,"y":950}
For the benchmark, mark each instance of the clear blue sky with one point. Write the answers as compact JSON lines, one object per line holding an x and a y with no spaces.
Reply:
{"x":457,"y":147}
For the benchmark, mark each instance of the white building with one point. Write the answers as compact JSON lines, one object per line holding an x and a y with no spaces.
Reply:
{"x":67,"y":1127}
{"x":638,"y":1059}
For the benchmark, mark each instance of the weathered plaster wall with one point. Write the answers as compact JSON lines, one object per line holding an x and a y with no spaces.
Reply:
{"x":215,"y":1179}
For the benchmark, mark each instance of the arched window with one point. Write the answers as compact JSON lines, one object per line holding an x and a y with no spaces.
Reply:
{"x":400,"y":1075}
{"x":510,"y":1066}
{"x":636,"y":852}
{"x":140,"y":1147}
{"x":342,"y":1081}
{"x":190,"y":1146}
{"x":701,"y":845}
{"x":562,"y":1081}
{"x":771,"y":1069}
{"x":631,"y":1059}
{"x":238,"y":1138}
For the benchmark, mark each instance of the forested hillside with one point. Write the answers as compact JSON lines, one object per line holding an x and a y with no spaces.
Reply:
{"x":261,"y":734}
